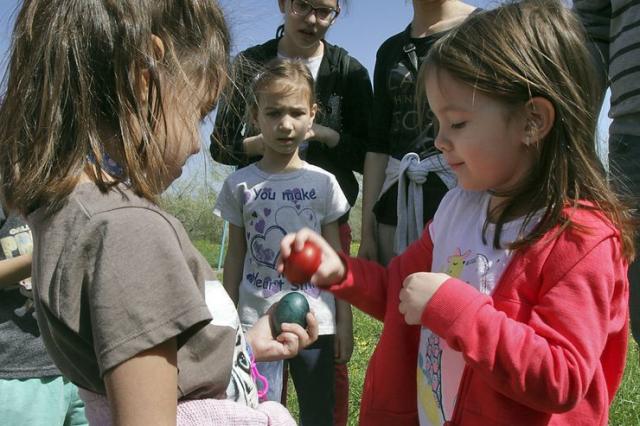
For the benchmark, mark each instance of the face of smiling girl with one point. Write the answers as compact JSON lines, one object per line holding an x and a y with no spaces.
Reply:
{"x":483,"y":140}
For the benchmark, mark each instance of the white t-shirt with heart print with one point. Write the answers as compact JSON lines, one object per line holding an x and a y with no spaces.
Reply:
{"x":269,"y":206}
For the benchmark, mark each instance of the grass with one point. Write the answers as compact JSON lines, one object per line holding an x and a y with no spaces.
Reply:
{"x":625,"y":410}
{"x":626,"y":406}
{"x":366,"y":331}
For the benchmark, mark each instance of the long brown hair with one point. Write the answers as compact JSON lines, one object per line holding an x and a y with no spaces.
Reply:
{"x":74,"y":71}
{"x":537,"y":48}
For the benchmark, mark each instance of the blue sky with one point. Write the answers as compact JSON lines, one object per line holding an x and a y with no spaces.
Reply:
{"x":360,"y":29}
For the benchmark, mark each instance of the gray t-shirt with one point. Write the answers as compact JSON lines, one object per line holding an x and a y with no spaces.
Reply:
{"x":268,"y":206}
{"x":113,"y":276}
{"x":22,"y":353}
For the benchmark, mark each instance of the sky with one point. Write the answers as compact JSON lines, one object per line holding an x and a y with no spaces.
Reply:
{"x":360,"y":29}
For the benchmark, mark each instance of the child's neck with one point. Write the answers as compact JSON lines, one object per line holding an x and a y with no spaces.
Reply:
{"x":272,"y":162}
{"x":437,"y":16}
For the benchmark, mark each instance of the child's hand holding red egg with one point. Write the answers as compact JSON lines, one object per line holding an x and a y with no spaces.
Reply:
{"x":300,"y":266}
{"x":307,"y":257}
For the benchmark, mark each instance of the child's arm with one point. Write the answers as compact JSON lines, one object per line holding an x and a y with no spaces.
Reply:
{"x":546,"y":360}
{"x":234,"y":262}
{"x":375,"y":164}
{"x":344,"y":318}
{"x":142,"y":389}
{"x":14,"y":270}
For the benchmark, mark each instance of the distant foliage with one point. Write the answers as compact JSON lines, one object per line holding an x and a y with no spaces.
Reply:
{"x":192,"y":203}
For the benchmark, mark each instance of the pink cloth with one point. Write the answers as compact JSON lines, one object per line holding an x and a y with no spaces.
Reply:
{"x":197,"y":412}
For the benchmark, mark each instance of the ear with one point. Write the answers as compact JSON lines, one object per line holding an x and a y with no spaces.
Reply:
{"x":540,"y":116}
{"x":254,"y":115}
{"x":281,"y":4}
{"x":157,"y":46}
{"x":312,"y":114}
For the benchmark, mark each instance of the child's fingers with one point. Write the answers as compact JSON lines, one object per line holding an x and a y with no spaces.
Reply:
{"x":290,"y":342}
{"x":285,"y":246}
{"x":306,"y":337}
{"x":295,"y":241}
{"x":304,"y":235}
{"x":312,"y":327}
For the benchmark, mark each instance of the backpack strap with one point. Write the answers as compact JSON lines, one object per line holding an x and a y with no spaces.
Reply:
{"x":409,"y":50}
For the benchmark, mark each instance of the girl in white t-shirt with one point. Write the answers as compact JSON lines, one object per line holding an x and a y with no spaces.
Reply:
{"x":263,"y":202}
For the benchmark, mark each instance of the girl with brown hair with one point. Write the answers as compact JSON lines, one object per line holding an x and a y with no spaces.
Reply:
{"x":512,"y":306}
{"x":101,"y":111}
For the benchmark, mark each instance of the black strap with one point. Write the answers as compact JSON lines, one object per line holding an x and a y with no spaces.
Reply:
{"x":409,"y":49}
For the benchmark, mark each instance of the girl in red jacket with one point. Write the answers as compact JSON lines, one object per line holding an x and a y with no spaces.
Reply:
{"x":512,"y":307}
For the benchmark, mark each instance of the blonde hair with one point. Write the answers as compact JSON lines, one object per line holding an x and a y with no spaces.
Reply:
{"x":74,"y":71}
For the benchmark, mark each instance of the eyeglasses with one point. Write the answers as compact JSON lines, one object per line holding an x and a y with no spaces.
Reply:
{"x":304,"y":8}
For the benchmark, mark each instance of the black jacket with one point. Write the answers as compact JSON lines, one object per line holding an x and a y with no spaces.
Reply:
{"x":344,"y":97}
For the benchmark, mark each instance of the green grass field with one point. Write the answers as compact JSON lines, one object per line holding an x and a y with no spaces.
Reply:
{"x":625,"y":410}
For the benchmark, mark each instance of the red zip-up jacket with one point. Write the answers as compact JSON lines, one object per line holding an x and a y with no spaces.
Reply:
{"x":546,"y":348}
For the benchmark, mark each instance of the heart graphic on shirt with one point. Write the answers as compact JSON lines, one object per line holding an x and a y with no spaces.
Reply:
{"x":260,"y":226}
{"x":287,"y":216}
{"x":267,"y":212}
{"x":261,"y":246}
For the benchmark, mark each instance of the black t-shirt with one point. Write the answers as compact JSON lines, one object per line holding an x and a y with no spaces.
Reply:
{"x":395,"y":126}
{"x":23,"y":354}
{"x":396,"y":129}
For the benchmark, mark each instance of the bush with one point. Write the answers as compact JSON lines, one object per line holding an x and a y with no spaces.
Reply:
{"x":192,"y":204}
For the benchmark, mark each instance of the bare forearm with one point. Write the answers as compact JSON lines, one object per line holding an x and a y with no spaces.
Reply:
{"x":325,"y":135}
{"x":14,"y":270}
{"x":375,"y":165}
{"x":253,"y":146}
{"x":344,"y":315}
{"x":234,"y":262}
{"x":143,"y":389}
{"x":231,"y":279}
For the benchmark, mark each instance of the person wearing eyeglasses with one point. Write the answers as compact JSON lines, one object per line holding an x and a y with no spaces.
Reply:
{"x":337,"y":144}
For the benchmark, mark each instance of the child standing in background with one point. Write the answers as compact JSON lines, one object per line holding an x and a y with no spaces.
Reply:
{"x":102,"y":109}
{"x":338,"y":138}
{"x":512,"y":307}
{"x":268,"y":199}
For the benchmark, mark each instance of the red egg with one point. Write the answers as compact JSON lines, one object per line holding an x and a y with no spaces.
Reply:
{"x":301,"y":265}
